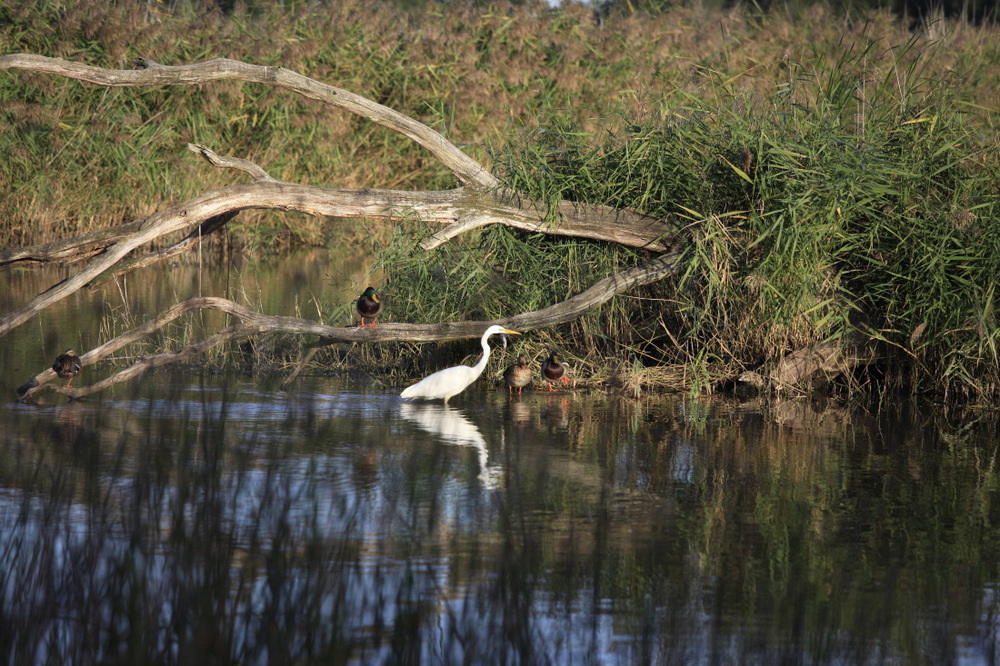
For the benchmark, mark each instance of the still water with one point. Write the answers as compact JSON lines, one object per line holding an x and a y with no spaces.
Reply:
{"x":204,"y":518}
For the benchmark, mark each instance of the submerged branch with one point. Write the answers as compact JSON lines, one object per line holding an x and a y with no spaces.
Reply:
{"x":252,"y":323}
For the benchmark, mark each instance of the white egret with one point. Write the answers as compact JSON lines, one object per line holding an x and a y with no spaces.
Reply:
{"x":452,"y":381}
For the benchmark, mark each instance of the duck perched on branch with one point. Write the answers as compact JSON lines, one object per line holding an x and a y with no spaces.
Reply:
{"x":67,"y":365}
{"x":452,"y":381}
{"x":369,"y":306}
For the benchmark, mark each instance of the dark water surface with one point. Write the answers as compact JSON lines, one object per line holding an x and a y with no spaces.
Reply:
{"x":210,"y":519}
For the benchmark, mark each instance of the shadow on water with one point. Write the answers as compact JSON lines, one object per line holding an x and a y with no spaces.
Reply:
{"x":217,"y":522}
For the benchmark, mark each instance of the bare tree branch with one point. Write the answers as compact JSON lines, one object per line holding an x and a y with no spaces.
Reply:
{"x":238,"y":163}
{"x":579,"y":220}
{"x":32,"y":389}
{"x":206,"y":228}
{"x":466,"y":169}
{"x":438,"y":205}
{"x":67,"y":250}
{"x":479,"y":202}
{"x":255,"y":323}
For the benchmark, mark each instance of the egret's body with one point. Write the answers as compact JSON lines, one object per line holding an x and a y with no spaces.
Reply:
{"x":554,"y":371}
{"x":452,"y":381}
{"x":67,"y":365}
{"x":369,"y":306}
{"x":518,"y":375}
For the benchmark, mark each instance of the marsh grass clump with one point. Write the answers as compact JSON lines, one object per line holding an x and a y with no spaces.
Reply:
{"x":474,"y":73}
{"x":855,"y":203}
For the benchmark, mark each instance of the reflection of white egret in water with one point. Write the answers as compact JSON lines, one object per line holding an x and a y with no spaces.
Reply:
{"x":451,"y":425}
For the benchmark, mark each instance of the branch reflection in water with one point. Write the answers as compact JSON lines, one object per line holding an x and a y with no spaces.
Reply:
{"x":228,"y":523}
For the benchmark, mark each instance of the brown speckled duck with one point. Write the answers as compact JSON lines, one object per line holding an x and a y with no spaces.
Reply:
{"x":518,"y":375}
{"x":67,"y":365}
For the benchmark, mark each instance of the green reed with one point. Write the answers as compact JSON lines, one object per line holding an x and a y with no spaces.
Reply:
{"x":838,"y":183}
{"x":83,"y":156}
{"x":854,"y":202}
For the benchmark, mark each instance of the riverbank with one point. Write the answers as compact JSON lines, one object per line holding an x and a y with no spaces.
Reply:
{"x":835,"y":179}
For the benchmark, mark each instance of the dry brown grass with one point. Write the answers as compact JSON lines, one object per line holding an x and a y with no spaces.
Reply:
{"x":476,"y":74}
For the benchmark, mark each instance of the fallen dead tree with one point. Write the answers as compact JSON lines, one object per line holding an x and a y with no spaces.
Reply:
{"x":480,"y":199}
{"x":253,"y":323}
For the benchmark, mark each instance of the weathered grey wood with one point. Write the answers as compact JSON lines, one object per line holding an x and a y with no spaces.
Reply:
{"x":150,"y":73}
{"x":67,"y":250}
{"x":238,"y":163}
{"x":440,"y":205}
{"x":189,"y":242}
{"x":35,"y":387}
{"x":460,"y":208}
{"x":252,"y":323}
{"x":480,"y":201}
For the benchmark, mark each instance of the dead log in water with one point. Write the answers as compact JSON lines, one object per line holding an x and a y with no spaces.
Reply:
{"x":480,"y":199}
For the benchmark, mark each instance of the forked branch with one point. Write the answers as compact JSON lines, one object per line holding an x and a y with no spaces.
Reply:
{"x":480,"y":200}
{"x":253,"y":323}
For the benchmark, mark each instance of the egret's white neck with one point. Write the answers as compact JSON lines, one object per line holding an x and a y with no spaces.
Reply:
{"x":481,"y":365}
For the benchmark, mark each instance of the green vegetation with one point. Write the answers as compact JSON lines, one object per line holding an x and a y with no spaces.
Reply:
{"x":838,"y":178}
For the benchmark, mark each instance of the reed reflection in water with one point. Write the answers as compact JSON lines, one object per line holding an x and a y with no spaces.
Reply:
{"x":224,"y":523}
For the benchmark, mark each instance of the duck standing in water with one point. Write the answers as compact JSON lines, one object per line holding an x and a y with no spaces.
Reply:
{"x":67,"y":365}
{"x":369,"y":306}
{"x":518,"y":375}
{"x":554,"y":371}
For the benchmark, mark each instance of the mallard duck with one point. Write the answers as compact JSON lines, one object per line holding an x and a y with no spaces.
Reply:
{"x":369,"y":306}
{"x":518,"y":375}
{"x":452,"y":381}
{"x":553,"y":370}
{"x":67,"y":365}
